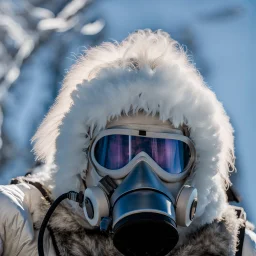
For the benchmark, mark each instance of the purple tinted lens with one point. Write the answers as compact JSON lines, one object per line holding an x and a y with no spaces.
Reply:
{"x":115,"y":151}
{"x":112,"y":152}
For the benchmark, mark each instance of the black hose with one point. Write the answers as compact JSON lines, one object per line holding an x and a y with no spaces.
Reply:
{"x":70,"y":195}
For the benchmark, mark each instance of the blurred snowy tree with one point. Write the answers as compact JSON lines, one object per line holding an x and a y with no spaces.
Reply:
{"x":35,"y":39}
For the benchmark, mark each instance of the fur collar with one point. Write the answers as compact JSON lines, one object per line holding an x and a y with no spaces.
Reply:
{"x":73,"y":239}
{"x":74,"y":236}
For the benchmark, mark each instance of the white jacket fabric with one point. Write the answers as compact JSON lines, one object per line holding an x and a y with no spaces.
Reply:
{"x":19,"y":210}
{"x":147,"y":72}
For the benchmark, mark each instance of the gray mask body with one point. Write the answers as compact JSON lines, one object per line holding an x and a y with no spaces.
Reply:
{"x":143,"y":214}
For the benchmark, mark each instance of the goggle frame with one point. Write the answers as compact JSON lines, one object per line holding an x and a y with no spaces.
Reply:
{"x":150,"y":132}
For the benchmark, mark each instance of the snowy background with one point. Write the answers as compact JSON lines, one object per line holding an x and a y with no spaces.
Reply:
{"x":39,"y":40}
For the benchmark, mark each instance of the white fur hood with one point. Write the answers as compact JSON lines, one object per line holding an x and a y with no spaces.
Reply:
{"x":150,"y":72}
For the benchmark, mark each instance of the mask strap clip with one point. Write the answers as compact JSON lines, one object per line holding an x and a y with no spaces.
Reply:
{"x":107,"y":185}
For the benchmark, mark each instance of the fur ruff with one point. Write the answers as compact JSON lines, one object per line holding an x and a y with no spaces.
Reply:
{"x":218,"y":238}
{"x":147,"y":72}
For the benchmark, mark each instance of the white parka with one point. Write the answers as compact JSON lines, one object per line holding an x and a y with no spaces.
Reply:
{"x":147,"y":72}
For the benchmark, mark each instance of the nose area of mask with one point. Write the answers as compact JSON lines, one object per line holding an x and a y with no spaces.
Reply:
{"x":143,"y":214}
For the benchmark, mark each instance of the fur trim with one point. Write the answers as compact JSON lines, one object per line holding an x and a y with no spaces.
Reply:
{"x":218,"y":238}
{"x":211,"y":239}
{"x":232,"y":226}
{"x":149,"y":72}
{"x":72,"y":237}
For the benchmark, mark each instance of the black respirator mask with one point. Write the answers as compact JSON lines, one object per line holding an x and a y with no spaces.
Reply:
{"x":131,"y":197}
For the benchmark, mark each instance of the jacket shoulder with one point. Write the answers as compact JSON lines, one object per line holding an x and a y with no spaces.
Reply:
{"x":249,"y":247}
{"x":18,"y":204}
{"x":19,"y":198}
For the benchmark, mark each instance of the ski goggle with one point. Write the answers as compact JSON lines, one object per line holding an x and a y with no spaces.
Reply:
{"x":114,"y":152}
